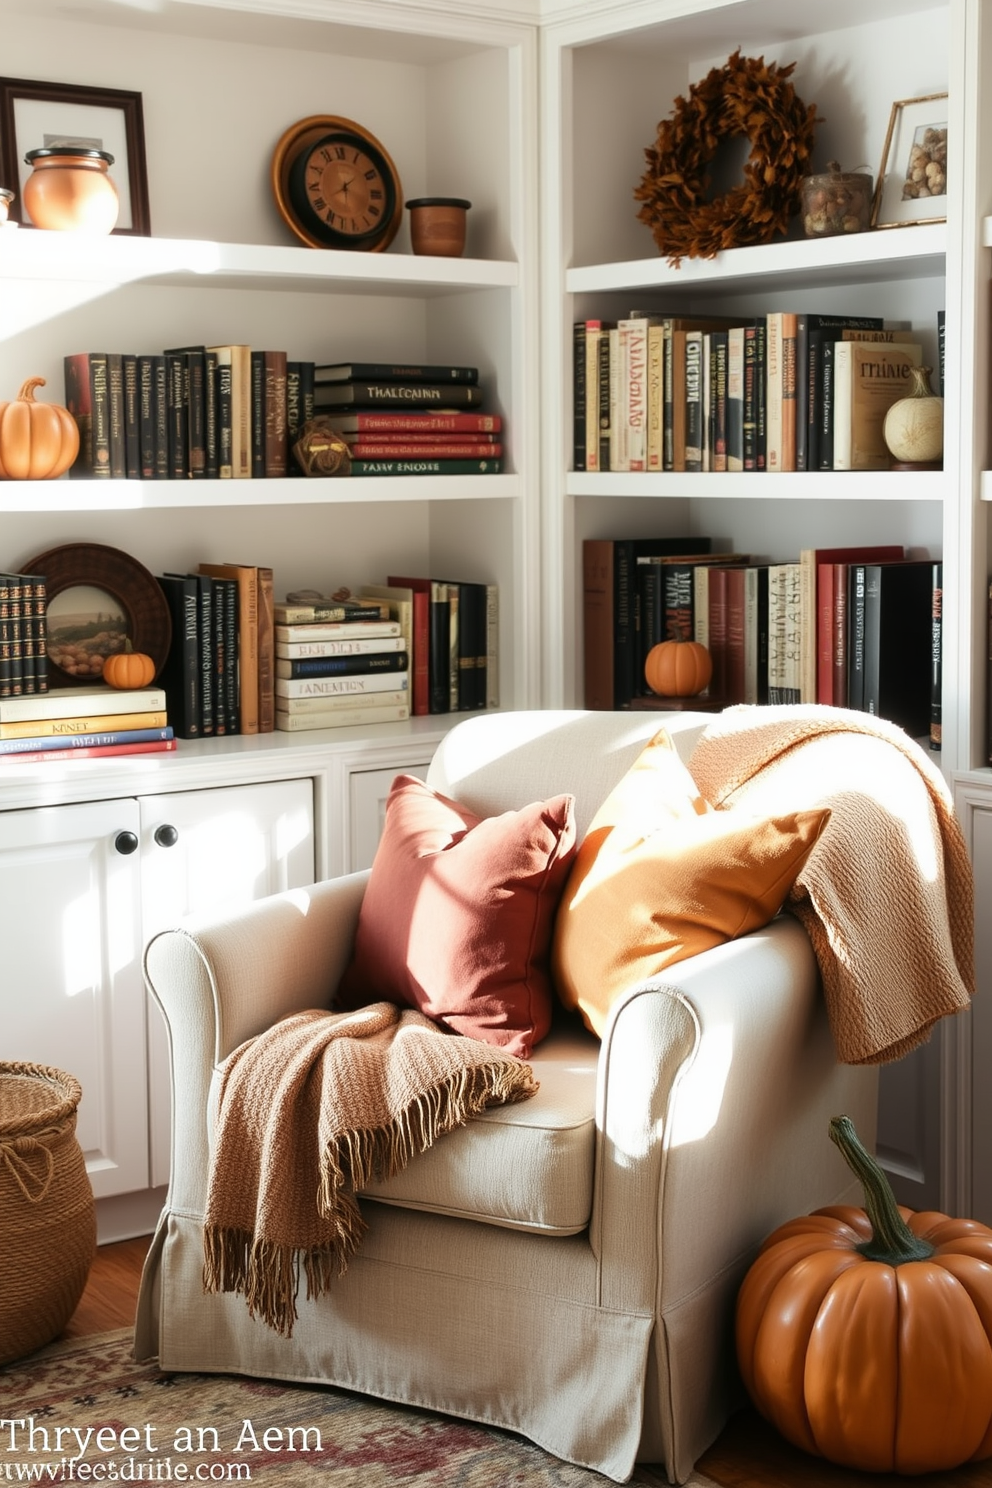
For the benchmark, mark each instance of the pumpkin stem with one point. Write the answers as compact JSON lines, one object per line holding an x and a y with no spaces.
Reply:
{"x":892,"y":1240}
{"x":27,"y":388}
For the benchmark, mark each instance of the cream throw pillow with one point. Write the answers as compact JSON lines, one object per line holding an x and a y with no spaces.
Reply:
{"x":661,"y":875}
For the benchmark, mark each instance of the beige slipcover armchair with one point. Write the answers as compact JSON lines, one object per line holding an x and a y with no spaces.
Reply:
{"x":566,"y":1267}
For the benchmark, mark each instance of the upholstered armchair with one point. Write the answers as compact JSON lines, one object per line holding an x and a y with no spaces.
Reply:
{"x":564,"y":1267}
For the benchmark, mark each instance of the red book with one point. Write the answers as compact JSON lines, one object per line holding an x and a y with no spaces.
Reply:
{"x":52,"y":756}
{"x":398,"y":450}
{"x":420,"y":661}
{"x":409,"y":423}
{"x":813,"y":622}
{"x":736,"y":608}
{"x":718,"y":630}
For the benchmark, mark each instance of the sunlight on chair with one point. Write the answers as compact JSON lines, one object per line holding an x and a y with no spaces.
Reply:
{"x":701,"y":1087}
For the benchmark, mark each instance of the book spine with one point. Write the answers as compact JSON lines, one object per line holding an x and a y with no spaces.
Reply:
{"x":345,"y":614}
{"x":856,"y":636}
{"x":756,"y":635}
{"x":194,"y":373}
{"x":205,"y":641}
{"x":426,"y":467}
{"x":52,"y":756}
{"x":593,"y":336}
{"x":160,"y":408}
{"x":241,"y":413}
{"x":439,"y":670}
{"x":225,"y":428}
{"x":232,"y":655}
{"x":637,"y":392}
{"x":760,"y":394}
{"x":936,"y":654}
{"x":789,"y":392}
{"x":78,"y":400}
{"x":718,"y":629}
{"x":177,"y":382}
{"x":100,"y":404}
{"x":492,"y":646}
{"x":825,"y":422}
{"x":735,"y":399}
{"x":428,"y":449}
{"x":336,"y":703}
{"x":402,"y":395}
{"x":181,"y":673}
{"x":343,"y":666}
{"x":211,"y":433}
{"x":840,"y":690}
{"x":146,"y":421}
{"x":774,"y":392}
{"x":132,"y":441}
{"x":294,"y":416}
{"x":315,"y":687}
{"x":390,"y":372}
{"x":667,"y":396}
{"x":650,"y":628}
{"x":736,"y":623}
{"x":274,"y":442}
{"x":693,"y":401}
{"x":98,"y":724}
{"x":825,"y":603}
{"x":314,"y":650}
{"x":265,"y":599}
{"x":655,"y":394}
{"x":6,"y":634}
{"x":115,"y":392}
{"x":257,"y":395}
{"x":37,"y":604}
{"x":579,"y":395}
{"x":67,"y":742}
{"x":597,"y":623}
{"x":219,"y":655}
{"x":346,"y":718}
{"x":678,"y":598}
{"x":719,"y":348}
{"x":749,"y":412}
{"x":603,"y":384}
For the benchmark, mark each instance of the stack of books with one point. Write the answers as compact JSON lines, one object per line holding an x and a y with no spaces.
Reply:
{"x":83,"y":723}
{"x":410,"y":420}
{"x":23,"y":642}
{"x":190,"y":412}
{"x":339,"y":663}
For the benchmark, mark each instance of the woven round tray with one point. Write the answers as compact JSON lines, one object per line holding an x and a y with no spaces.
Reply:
{"x":47,"y":1215}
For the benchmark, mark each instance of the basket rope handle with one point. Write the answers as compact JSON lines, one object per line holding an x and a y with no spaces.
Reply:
{"x":12,"y":1155}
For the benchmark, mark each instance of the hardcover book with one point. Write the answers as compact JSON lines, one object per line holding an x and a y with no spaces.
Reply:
{"x":422,"y":466}
{"x":898,"y":643}
{"x":343,"y":718}
{"x":246,"y":578}
{"x":181,"y":673}
{"x":868,"y":378}
{"x":392,"y":372}
{"x":82,"y":702}
{"x":416,"y":423}
{"x":374,"y":394}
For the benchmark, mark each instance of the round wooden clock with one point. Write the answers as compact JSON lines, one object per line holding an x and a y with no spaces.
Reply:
{"x":336,"y":186}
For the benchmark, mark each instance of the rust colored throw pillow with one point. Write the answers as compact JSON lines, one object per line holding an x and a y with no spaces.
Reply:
{"x":458,"y":913}
{"x":661,"y":875}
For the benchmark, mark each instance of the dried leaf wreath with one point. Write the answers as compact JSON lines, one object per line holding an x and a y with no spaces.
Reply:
{"x":744,"y":97}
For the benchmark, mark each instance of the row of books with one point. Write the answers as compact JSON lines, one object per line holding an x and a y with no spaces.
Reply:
{"x":436,"y":423}
{"x":193,"y":412}
{"x":87,"y":722}
{"x":23,"y":647}
{"x":786,"y":391}
{"x":847,"y":627}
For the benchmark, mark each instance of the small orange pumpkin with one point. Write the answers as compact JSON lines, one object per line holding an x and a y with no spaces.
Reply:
{"x":129,"y":669}
{"x":678,"y":668}
{"x":38,"y":441}
{"x":865,"y":1335}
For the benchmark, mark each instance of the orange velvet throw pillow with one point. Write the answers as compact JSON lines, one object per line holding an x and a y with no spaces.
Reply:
{"x":458,"y":914}
{"x":661,"y":875}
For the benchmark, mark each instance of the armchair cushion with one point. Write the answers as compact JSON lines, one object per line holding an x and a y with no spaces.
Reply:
{"x":458,"y":913}
{"x":661,"y":875}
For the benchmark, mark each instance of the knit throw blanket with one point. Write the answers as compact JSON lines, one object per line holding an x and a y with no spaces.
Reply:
{"x":886,"y":896}
{"x":309,"y":1112}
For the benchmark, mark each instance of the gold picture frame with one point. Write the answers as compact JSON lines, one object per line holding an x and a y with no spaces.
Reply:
{"x":911,"y":186}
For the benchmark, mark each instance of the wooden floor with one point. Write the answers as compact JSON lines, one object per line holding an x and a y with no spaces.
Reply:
{"x":748,"y":1454}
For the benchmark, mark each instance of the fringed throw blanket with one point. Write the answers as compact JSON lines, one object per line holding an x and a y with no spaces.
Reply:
{"x":886,"y":896}
{"x":309,"y":1112}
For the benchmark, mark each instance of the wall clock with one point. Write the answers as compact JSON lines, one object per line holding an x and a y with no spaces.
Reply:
{"x":336,"y":186}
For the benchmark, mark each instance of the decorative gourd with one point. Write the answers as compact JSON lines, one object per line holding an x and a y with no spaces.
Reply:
{"x":38,"y":441}
{"x":865,"y":1335}
{"x":678,"y":668}
{"x":129,"y":669}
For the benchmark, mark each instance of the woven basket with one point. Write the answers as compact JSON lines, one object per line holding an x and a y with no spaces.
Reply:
{"x":47,"y":1215}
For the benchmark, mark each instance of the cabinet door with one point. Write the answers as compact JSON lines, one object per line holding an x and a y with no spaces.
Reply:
{"x":367,"y":792}
{"x":72,"y":993}
{"x":202,"y":851}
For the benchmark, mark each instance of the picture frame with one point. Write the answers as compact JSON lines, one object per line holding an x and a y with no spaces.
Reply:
{"x":98,"y":600}
{"x":915,"y":148}
{"x":34,"y":114}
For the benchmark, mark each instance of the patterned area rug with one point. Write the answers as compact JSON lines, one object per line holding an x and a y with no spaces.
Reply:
{"x":89,"y":1414}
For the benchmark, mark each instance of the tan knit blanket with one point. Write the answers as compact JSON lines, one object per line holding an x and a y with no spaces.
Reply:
{"x":309,"y":1112}
{"x":886,"y":895}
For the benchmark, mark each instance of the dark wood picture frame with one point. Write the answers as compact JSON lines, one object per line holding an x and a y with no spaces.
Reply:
{"x":123,"y":578}
{"x":133,"y":169}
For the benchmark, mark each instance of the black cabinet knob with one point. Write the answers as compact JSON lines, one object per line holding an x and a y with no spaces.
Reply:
{"x":166,"y":835}
{"x":125,"y":843}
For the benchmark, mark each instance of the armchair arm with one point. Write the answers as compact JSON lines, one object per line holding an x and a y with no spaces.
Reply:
{"x":220,"y":981}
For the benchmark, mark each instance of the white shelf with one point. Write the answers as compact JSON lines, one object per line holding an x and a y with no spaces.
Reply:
{"x":32,"y":256}
{"x":136,"y":495}
{"x":843,"y":485}
{"x":873,"y":257}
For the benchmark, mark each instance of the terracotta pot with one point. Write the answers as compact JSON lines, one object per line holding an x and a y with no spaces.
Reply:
{"x":437,"y":225}
{"x":69,"y":190}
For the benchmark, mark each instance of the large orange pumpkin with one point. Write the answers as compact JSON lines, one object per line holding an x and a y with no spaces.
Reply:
{"x":38,"y":441}
{"x":865,"y":1335}
{"x":678,"y":668}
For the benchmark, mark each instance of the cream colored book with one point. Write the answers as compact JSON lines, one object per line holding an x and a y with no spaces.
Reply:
{"x":869,"y":376}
